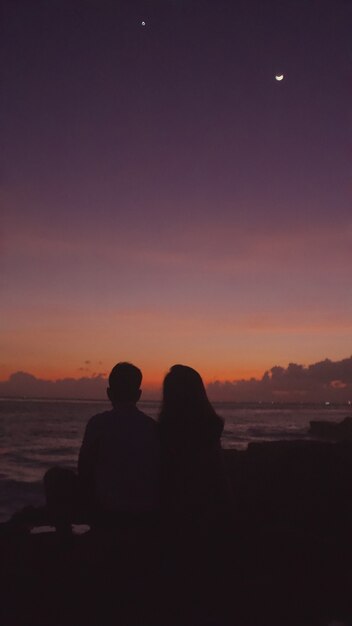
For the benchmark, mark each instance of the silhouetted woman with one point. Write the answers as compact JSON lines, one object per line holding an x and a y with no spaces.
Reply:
{"x":196,"y":498}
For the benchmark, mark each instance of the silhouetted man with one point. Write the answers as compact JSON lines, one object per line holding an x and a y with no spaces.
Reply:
{"x":119,"y":460}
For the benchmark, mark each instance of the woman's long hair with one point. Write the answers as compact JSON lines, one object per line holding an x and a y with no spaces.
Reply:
{"x":186,"y":413}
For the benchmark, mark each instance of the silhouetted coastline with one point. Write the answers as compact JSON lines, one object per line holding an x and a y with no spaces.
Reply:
{"x":290,"y":551}
{"x":333,"y":431}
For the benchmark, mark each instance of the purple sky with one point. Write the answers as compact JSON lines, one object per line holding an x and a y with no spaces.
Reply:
{"x":164,"y":198}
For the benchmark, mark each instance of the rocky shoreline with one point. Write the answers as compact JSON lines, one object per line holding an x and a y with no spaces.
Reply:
{"x":332,"y":431}
{"x":288,"y":555}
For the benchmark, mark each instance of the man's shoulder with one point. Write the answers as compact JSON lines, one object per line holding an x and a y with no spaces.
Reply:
{"x":149,"y":420}
{"x":100,"y":419}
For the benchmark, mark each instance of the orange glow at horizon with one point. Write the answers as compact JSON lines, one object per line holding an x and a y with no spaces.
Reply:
{"x":226,"y":315}
{"x":152,"y":378}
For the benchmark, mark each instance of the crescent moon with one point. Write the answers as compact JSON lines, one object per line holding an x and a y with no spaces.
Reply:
{"x":279,"y":77}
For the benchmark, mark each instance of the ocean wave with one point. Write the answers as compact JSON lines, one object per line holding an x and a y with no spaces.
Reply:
{"x":279,"y":433}
{"x":10,"y":484}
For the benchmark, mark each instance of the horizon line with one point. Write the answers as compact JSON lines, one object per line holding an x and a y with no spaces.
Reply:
{"x":157,"y":401}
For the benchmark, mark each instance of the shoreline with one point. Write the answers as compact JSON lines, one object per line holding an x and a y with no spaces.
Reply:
{"x":290,"y":544}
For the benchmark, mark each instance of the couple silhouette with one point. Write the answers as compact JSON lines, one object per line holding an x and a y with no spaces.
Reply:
{"x":156,"y":497}
{"x":135,"y":470}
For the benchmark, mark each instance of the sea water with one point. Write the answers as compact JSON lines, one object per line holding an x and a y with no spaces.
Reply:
{"x":37,"y":434}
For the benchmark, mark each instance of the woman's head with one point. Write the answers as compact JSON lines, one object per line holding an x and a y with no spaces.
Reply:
{"x":184,"y":389}
{"x":185,"y":403}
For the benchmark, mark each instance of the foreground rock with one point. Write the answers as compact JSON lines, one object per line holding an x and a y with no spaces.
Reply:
{"x":287,"y":559}
{"x":333,"y":431}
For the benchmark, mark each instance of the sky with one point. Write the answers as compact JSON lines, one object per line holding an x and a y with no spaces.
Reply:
{"x":165,"y":199}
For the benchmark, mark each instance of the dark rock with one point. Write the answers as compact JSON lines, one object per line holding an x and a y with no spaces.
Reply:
{"x":334,"y":431}
{"x":287,"y":559}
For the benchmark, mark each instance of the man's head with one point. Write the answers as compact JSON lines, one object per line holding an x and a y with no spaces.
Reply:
{"x":124,"y":383}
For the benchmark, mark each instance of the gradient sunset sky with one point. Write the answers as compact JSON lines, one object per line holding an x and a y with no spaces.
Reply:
{"x":164,"y":198}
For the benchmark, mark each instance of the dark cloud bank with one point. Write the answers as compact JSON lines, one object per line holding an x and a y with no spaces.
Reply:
{"x":326,"y":381}
{"x":25,"y":385}
{"x":321,"y":382}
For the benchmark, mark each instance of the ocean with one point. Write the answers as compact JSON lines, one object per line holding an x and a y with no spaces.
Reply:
{"x":37,"y":434}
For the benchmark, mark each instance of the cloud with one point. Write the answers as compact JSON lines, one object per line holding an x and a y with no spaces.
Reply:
{"x":320,"y":382}
{"x":24,"y":384}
